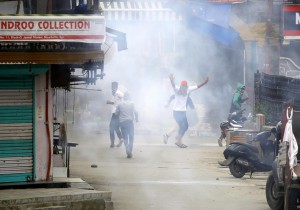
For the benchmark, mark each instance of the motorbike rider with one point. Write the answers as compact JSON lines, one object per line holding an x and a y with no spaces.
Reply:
{"x":236,"y":111}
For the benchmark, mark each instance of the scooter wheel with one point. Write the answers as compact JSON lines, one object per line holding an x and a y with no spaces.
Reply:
{"x":236,"y":170}
{"x":275,"y":201}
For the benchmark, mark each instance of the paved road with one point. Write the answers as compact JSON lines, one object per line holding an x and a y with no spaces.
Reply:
{"x":164,"y":177}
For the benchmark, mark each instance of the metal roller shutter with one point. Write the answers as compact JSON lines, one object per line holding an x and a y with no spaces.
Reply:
{"x":138,"y":11}
{"x":16,"y":129}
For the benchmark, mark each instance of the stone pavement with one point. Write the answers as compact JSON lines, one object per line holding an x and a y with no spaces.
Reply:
{"x":162,"y":176}
{"x":79,"y":196}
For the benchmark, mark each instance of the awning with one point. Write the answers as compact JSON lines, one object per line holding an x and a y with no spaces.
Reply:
{"x":115,"y":41}
{"x":138,"y":11}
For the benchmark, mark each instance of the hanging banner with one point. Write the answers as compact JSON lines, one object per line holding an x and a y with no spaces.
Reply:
{"x":291,"y":22}
{"x":51,"y":28}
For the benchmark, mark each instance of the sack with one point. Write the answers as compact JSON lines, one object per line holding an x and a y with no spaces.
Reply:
{"x":290,"y":138}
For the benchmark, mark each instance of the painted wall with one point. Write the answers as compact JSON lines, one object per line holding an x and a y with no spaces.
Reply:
{"x":41,"y":140}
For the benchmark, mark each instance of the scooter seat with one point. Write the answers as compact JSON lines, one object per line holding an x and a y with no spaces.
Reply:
{"x":246,"y":145}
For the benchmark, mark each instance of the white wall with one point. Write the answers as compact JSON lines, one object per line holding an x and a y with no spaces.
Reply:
{"x":41,"y":140}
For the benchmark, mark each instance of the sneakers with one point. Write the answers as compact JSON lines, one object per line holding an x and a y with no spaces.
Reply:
{"x":220,"y":142}
{"x":181,"y":145}
{"x":112,"y":145}
{"x":165,"y":137}
{"x":129,"y":155}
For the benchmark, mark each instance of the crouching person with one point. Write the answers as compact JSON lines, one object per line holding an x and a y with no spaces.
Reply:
{"x":127,"y":114}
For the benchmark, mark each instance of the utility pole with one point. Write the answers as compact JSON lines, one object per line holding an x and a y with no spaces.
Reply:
{"x":272,"y":41}
{"x":268,"y":36}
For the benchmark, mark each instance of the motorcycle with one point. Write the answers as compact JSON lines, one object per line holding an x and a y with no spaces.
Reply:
{"x":275,"y":189}
{"x":255,"y":156}
{"x":229,"y":125}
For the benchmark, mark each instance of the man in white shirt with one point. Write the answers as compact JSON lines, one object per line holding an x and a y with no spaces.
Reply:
{"x":175,"y":127}
{"x":179,"y":107}
{"x":114,"y":125}
{"x":127,"y":114}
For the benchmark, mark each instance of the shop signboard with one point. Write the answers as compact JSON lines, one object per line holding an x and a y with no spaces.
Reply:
{"x":52,"y":28}
{"x":291,"y":22}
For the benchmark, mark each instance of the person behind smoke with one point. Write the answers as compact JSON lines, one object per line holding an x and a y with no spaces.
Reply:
{"x":179,"y":107}
{"x":189,"y":104}
{"x":127,"y":113}
{"x":114,"y":125}
{"x":237,"y":102}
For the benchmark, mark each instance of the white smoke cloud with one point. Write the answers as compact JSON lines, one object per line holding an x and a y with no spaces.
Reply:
{"x":156,"y":49}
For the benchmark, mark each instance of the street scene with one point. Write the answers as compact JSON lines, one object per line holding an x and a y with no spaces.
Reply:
{"x":149,"y":104}
{"x":163,"y":176}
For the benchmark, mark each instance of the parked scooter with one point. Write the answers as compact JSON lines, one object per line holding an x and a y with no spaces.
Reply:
{"x":256,"y":156}
{"x":229,"y":125}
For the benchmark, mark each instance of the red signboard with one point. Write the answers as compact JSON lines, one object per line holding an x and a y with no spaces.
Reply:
{"x":291,"y":21}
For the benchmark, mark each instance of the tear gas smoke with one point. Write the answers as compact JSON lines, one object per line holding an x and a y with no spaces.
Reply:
{"x":156,"y":49}
{"x":144,"y":68}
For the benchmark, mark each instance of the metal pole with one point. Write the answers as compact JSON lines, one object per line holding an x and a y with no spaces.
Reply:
{"x":74,"y":107}
{"x":49,"y":7}
{"x":244,"y":66}
{"x":268,"y":36}
{"x":68,"y":161}
{"x":73,"y":4}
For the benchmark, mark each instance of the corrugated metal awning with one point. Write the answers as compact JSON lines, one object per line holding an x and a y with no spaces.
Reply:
{"x":138,"y":11}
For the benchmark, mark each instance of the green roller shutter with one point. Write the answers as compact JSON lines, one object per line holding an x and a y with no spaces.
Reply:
{"x":16,"y":129}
